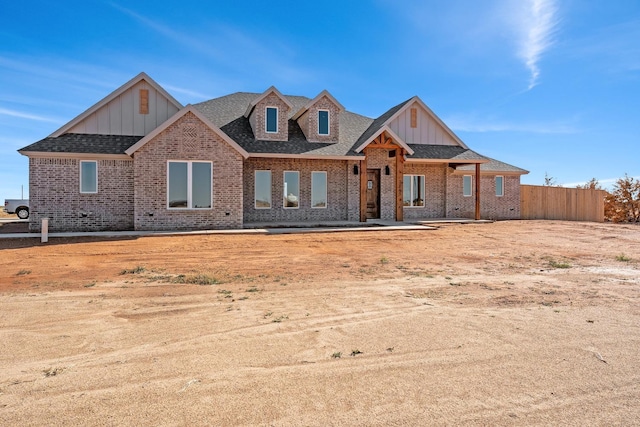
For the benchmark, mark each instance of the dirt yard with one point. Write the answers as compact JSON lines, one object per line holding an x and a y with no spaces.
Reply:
{"x":510,"y":323}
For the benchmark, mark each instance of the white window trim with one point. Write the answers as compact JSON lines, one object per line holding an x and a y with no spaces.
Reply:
{"x":424,"y":184}
{"x":88,"y":161}
{"x":326,"y":190}
{"x":328,"y":123}
{"x":255,"y":195}
{"x":470,"y":185}
{"x":189,"y":185}
{"x":501,"y":187}
{"x":266,"y":120}
{"x":283,"y":192}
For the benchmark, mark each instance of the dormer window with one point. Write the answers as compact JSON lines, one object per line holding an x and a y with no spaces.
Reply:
{"x":271,"y":122}
{"x":323,"y":122}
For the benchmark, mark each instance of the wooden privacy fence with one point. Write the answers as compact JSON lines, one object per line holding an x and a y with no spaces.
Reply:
{"x":570,"y":204}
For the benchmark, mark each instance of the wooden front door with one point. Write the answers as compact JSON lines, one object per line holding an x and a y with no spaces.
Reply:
{"x":373,"y":193}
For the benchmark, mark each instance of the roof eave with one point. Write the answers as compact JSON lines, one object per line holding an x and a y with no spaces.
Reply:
{"x":309,"y":104}
{"x":387,"y":129}
{"x":70,"y":155}
{"x":264,"y":94}
{"x":104,"y":101}
{"x":188,"y":109}
{"x":431,"y":113}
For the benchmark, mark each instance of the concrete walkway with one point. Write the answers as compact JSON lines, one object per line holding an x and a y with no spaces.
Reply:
{"x":281,"y":229}
{"x":268,"y":228}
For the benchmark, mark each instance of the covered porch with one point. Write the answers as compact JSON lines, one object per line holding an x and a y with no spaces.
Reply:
{"x":400,"y":181}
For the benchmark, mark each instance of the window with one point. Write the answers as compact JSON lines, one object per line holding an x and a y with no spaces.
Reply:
{"x":189,"y":185}
{"x":271,"y":123}
{"x":88,"y":176}
{"x":263,"y":190}
{"x":499,"y":186}
{"x":466,"y":185}
{"x":291,"y":191}
{"x":413,"y":190}
{"x":414,"y":117}
{"x":323,"y":122}
{"x":318,"y":189}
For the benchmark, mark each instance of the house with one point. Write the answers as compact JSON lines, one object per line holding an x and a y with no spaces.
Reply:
{"x":139,"y":160}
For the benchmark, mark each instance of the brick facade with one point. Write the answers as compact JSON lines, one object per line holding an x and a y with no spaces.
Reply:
{"x":258,"y":118}
{"x":339,"y":200}
{"x":187,"y":139}
{"x":309,"y":121}
{"x":54,"y":188}
{"x":491,"y":206}
{"x":435,"y":183}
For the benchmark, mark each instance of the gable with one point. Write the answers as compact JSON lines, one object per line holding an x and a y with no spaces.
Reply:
{"x":136,"y":108}
{"x":308,"y":119}
{"x":187,"y":114}
{"x":426,"y":130}
{"x":259,"y":117}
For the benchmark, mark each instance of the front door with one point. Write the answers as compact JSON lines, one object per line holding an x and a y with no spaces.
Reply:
{"x":373,"y":193}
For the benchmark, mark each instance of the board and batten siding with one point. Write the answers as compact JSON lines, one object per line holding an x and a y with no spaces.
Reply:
{"x":428,"y":131}
{"x":121,"y":116}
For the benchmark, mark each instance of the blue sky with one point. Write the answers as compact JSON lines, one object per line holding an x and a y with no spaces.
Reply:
{"x":552,"y":86}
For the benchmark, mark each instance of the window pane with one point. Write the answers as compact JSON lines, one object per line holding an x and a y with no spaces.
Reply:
{"x":263,"y":189}
{"x":272,"y":119}
{"x":88,"y":177}
{"x":466,"y":185}
{"x":318,"y":189}
{"x":201,"y":185}
{"x":406,"y":190}
{"x":499,"y":186}
{"x":323,"y":122}
{"x":418,"y":191}
{"x":177,"y":184}
{"x":291,"y":190}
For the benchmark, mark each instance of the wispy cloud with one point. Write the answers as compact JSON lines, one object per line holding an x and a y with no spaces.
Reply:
{"x":231,"y":48}
{"x":536,"y":23}
{"x":482,"y":125}
{"x":21,"y":115}
{"x":169,"y":32}
{"x":188,"y":92}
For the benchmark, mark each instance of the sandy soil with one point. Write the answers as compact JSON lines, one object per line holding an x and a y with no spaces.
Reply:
{"x":4,"y":214}
{"x":511,"y":323}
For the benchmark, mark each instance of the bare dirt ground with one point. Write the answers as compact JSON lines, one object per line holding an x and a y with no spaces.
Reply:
{"x":510,"y":323}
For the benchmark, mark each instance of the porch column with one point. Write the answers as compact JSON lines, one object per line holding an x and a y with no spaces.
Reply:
{"x":363,"y":188}
{"x":399,"y":184}
{"x":477,"y":191}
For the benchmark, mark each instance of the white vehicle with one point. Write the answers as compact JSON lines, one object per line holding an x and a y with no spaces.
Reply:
{"x":18,"y":206}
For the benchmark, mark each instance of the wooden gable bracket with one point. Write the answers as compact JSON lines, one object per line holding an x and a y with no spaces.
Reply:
{"x":383,"y":141}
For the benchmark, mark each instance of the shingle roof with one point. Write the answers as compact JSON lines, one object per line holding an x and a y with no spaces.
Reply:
{"x":227,"y":113}
{"x":444,"y":152}
{"x":84,"y":143}
{"x":494,"y":166}
{"x":378,"y":123}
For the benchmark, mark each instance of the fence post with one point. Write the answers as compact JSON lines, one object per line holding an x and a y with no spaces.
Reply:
{"x":44,"y":233}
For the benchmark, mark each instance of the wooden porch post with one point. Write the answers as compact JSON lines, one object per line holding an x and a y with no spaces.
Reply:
{"x":363,"y":188}
{"x":399,"y":184}
{"x":477,"y":191}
